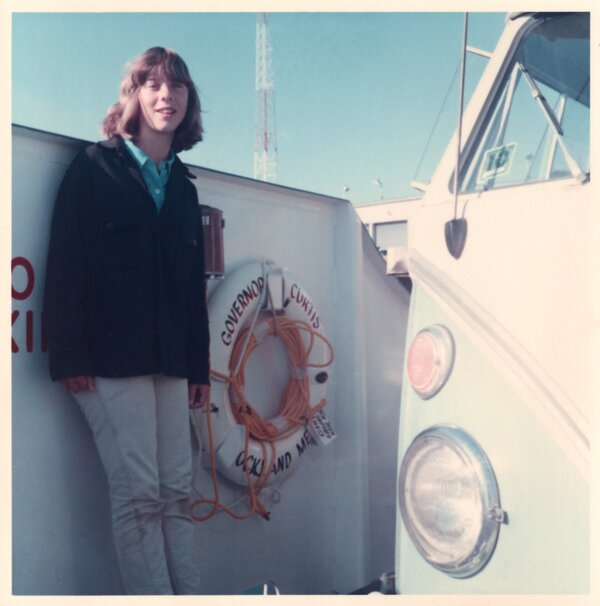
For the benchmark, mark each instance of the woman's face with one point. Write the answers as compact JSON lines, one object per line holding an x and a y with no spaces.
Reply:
{"x":163,"y":105}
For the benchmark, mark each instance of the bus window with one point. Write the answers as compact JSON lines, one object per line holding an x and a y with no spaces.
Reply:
{"x":538,"y":128}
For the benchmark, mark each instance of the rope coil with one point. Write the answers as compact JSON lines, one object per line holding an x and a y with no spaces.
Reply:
{"x":295,"y":412}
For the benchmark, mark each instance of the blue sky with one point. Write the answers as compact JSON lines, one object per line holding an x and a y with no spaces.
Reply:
{"x":356,"y":94}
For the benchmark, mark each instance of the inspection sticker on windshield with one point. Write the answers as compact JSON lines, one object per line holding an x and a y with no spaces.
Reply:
{"x":496,"y":161}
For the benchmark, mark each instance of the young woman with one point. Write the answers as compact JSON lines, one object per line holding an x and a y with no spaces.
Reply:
{"x":126,"y":316}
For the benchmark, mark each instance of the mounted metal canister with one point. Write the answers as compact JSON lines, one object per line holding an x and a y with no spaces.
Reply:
{"x":214,"y":254}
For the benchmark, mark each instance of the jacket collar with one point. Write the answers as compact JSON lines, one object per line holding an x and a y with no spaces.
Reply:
{"x":117,"y":144}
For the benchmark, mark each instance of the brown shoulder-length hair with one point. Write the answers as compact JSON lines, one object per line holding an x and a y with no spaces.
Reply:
{"x":122,"y":118}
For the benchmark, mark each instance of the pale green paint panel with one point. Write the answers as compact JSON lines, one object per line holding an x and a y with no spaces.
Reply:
{"x":545,"y":546}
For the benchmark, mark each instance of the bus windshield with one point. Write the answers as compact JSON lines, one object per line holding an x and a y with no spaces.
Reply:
{"x":538,"y":127}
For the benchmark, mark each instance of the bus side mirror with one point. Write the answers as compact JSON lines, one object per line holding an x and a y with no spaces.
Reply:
{"x":456,"y":236}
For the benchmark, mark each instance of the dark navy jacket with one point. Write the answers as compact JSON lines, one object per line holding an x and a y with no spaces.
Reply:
{"x":125,"y":291}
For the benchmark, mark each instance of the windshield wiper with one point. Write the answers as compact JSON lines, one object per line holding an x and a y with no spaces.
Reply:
{"x":574,"y":167}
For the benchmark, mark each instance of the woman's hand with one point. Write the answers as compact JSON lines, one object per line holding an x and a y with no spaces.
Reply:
{"x":199,"y":395}
{"x":81,"y":383}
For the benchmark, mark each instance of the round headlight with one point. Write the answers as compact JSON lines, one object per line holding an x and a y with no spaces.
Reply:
{"x":449,"y":500}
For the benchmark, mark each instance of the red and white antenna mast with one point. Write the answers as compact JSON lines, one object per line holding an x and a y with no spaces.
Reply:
{"x":265,"y":145}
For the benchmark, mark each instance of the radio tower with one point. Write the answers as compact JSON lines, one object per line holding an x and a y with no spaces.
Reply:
{"x":265,"y":145}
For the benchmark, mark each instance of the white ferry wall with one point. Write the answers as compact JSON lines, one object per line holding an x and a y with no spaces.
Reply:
{"x":333,"y":529}
{"x":519,"y":304}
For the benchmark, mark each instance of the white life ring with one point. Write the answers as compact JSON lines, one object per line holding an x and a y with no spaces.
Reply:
{"x":233,"y":307}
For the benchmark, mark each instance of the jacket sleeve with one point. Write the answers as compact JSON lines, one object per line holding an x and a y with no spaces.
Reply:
{"x":199,"y":343}
{"x":64,"y":292}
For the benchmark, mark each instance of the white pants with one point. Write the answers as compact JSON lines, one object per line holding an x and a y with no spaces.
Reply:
{"x":141,"y":428}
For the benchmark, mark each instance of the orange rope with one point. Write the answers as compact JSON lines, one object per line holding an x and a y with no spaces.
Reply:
{"x":296,"y":408}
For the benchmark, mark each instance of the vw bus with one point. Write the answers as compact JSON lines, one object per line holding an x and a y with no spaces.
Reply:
{"x":494,"y":431}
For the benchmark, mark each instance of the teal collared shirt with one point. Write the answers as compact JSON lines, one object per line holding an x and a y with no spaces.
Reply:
{"x":155,"y":178}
